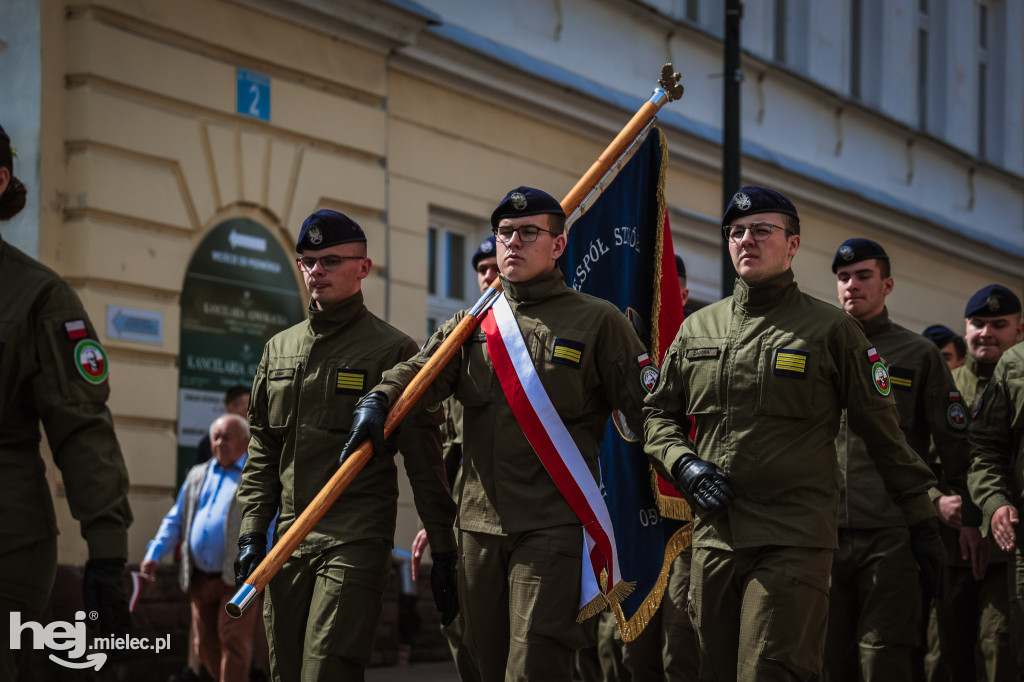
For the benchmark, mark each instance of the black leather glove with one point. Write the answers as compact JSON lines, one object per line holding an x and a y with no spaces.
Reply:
{"x":252,"y":549}
{"x":368,"y":422}
{"x":703,"y":482}
{"x":926,"y":544}
{"x":103,"y":593}
{"x":444,"y":583}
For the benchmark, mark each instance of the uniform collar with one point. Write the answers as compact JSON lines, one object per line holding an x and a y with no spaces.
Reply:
{"x":341,"y":314}
{"x":982,"y":370}
{"x":767,"y":294}
{"x":535,"y":290}
{"x":877,"y":324}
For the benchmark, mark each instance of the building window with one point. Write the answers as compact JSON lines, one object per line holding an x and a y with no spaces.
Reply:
{"x":779,"y":42}
{"x":692,"y":11}
{"x":451,"y":282}
{"x":983,"y":80}
{"x":923,"y":26}
{"x":856,"y":66}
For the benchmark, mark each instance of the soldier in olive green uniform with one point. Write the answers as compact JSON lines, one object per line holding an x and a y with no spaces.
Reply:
{"x":766,"y":374}
{"x":521,"y":543}
{"x":996,"y":478}
{"x":874,"y":606}
{"x":977,"y":605}
{"x":485,"y":263}
{"x":53,"y":370}
{"x":322,"y":607}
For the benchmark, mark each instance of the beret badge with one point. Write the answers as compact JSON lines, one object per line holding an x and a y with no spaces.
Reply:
{"x":742,"y":201}
{"x":846,"y":252}
{"x":993,"y":304}
{"x":315,"y":236}
{"x":518,"y":201}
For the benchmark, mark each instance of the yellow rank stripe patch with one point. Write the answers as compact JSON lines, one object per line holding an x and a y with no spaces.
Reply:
{"x":567,"y":352}
{"x":899,"y":381}
{"x":350,"y":381}
{"x":790,"y":362}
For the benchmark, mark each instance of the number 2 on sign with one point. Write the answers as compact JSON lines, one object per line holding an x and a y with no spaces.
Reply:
{"x":254,"y":109}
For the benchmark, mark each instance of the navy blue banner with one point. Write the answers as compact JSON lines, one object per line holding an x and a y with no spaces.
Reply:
{"x":614,"y":252}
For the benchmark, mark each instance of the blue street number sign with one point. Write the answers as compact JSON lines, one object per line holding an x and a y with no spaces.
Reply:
{"x":254,"y":94}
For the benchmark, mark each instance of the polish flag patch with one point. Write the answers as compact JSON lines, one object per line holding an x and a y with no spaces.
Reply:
{"x":76,"y":329}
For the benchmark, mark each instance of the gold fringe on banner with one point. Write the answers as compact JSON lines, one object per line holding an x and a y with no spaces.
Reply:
{"x":670,"y":507}
{"x":659,"y":250}
{"x":603,"y":601}
{"x":632,"y":628}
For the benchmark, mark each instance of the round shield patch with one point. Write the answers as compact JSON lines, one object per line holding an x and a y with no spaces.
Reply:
{"x":956,"y":415}
{"x":91,"y":361}
{"x":315,"y":235}
{"x":649,"y":377}
{"x":881,"y":378}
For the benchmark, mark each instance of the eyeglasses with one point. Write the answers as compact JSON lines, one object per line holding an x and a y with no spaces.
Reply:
{"x":527,"y":233}
{"x":759,"y":231}
{"x":328,"y":263}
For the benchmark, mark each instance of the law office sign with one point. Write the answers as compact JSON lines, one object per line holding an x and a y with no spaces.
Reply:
{"x":240,"y":289}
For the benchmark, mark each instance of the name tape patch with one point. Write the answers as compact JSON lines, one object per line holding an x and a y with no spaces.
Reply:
{"x":790,"y":362}
{"x":568,"y":352}
{"x":701,"y":353}
{"x":278,"y":374}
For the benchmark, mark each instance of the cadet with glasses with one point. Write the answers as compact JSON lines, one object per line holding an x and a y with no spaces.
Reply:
{"x":766,"y":373}
{"x":322,"y":606}
{"x":521,"y":542}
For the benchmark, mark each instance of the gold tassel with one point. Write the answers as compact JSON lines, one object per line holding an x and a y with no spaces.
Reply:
{"x":605,"y":599}
{"x":632,"y":628}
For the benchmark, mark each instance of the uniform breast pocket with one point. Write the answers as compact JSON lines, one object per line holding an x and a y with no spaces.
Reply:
{"x":563,"y":363}
{"x":1015,"y":390}
{"x":346,"y":380}
{"x":282,"y":391}
{"x":475,"y":384}
{"x":702,"y":361}
{"x":787,"y":374}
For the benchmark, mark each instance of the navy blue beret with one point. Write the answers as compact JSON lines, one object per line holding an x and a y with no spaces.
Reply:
{"x":524,"y":201}
{"x":855,"y":250}
{"x":328,"y":228}
{"x":751,"y":200}
{"x":485,"y":250}
{"x":680,"y":266}
{"x":940,"y":335}
{"x":992,"y":301}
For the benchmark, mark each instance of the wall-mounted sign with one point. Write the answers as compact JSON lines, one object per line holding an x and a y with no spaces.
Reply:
{"x":240,"y":289}
{"x":134,"y":324}
{"x":253,"y":94}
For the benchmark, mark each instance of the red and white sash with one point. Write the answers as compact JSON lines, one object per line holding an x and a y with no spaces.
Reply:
{"x":558,"y":453}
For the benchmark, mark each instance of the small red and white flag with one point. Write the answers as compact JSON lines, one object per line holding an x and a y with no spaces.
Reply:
{"x":872,"y":355}
{"x":136,"y":591}
{"x":643,"y":360}
{"x":76,"y":329}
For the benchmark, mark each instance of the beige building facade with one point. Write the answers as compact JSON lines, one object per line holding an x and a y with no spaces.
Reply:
{"x":140,"y":139}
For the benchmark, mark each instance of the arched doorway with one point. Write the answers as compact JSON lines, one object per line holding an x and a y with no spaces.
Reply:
{"x":240,"y":289}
